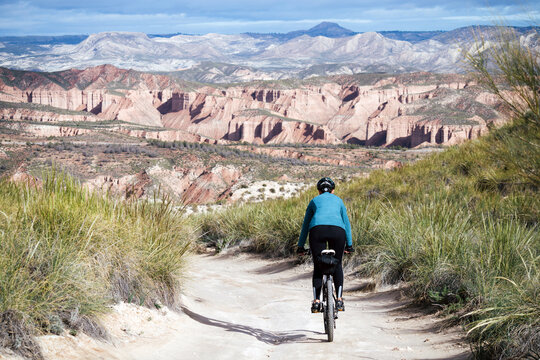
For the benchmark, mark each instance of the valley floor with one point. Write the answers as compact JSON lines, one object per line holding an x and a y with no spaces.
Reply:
{"x":241,"y":306}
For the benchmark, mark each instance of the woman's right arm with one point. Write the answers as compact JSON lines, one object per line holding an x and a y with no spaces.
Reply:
{"x":305,"y":226}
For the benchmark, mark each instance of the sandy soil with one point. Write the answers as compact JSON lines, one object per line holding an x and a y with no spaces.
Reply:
{"x":243,"y":307}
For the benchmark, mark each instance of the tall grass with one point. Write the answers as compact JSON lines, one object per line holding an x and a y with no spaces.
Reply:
{"x":269,"y":226}
{"x":68,"y":253}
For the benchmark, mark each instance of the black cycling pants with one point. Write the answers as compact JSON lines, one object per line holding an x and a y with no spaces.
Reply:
{"x":336,"y":238}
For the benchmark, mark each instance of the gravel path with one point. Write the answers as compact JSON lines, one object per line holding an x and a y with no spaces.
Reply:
{"x":243,"y":307}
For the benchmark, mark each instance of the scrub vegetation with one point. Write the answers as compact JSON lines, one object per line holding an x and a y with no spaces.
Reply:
{"x":67,"y":254}
{"x":460,"y":227}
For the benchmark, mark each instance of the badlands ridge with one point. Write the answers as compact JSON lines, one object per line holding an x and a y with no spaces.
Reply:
{"x":406,"y":110}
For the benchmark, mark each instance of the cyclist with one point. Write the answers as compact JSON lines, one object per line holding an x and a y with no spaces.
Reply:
{"x":327,"y":222}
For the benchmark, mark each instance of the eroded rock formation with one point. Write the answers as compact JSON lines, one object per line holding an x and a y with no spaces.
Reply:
{"x":406,"y":110}
{"x":48,"y":130}
{"x":196,"y":185}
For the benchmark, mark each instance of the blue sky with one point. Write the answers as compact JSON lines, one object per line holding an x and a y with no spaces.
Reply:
{"x":56,"y":17}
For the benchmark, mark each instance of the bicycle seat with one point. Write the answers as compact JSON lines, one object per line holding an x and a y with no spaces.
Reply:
{"x":328,"y":252}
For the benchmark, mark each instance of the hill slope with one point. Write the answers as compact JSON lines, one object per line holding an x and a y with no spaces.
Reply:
{"x":460,"y":226}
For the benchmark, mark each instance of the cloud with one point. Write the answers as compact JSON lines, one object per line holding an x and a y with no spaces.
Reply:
{"x":53,"y":17}
{"x":527,"y":17}
{"x":25,"y":18}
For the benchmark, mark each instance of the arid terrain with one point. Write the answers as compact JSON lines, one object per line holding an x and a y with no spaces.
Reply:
{"x":153,"y":186}
{"x":137,"y":134}
{"x":369,"y":109}
{"x":262,"y":312}
{"x":195,"y":173}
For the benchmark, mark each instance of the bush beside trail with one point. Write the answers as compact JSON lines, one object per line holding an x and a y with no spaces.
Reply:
{"x":67,"y":254}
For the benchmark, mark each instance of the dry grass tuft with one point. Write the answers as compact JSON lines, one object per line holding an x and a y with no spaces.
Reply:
{"x":15,"y":334}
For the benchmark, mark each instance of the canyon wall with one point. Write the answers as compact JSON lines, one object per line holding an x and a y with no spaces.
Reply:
{"x":389,"y":112}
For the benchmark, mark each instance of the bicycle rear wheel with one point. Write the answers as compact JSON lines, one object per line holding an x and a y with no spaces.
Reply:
{"x":329,"y":310}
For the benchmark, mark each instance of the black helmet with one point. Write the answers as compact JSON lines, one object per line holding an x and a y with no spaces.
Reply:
{"x":325,"y":185}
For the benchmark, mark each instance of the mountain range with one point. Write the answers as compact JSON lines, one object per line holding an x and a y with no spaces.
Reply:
{"x":326,"y":49}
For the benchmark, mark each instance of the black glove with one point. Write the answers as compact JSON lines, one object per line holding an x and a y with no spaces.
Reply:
{"x":349,"y":249}
{"x":301,"y":250}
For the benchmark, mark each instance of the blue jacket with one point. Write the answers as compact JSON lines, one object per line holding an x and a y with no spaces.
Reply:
{"x":325,"y":209}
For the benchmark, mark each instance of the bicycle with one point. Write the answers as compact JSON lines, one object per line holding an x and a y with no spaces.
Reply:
{"x":330,"y":314}
{"x":327,"y":261}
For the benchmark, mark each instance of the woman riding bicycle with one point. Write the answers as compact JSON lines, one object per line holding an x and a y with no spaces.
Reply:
{"x":327,"y":222}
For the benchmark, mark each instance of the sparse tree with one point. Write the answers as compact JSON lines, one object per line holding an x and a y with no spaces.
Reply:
{"x":511,"y":70}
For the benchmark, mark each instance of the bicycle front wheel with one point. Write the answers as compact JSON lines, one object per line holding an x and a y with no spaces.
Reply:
{"x":329,"y":310}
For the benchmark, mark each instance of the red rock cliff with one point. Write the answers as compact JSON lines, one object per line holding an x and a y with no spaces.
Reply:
{"x":391,"y":111}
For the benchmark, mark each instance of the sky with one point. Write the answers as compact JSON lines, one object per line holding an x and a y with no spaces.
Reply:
{"x":59,"y":17}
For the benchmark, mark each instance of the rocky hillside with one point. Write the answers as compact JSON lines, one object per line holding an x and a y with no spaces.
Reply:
{"x":377,"y":110}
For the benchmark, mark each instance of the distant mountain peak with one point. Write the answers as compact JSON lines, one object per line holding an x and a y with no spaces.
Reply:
{"x":328,"y":29}
{"x":326,"y":25}
{"x":332,"y":26}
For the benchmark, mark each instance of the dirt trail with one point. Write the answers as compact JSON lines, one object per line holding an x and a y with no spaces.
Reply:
{"x":243,"y":307}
